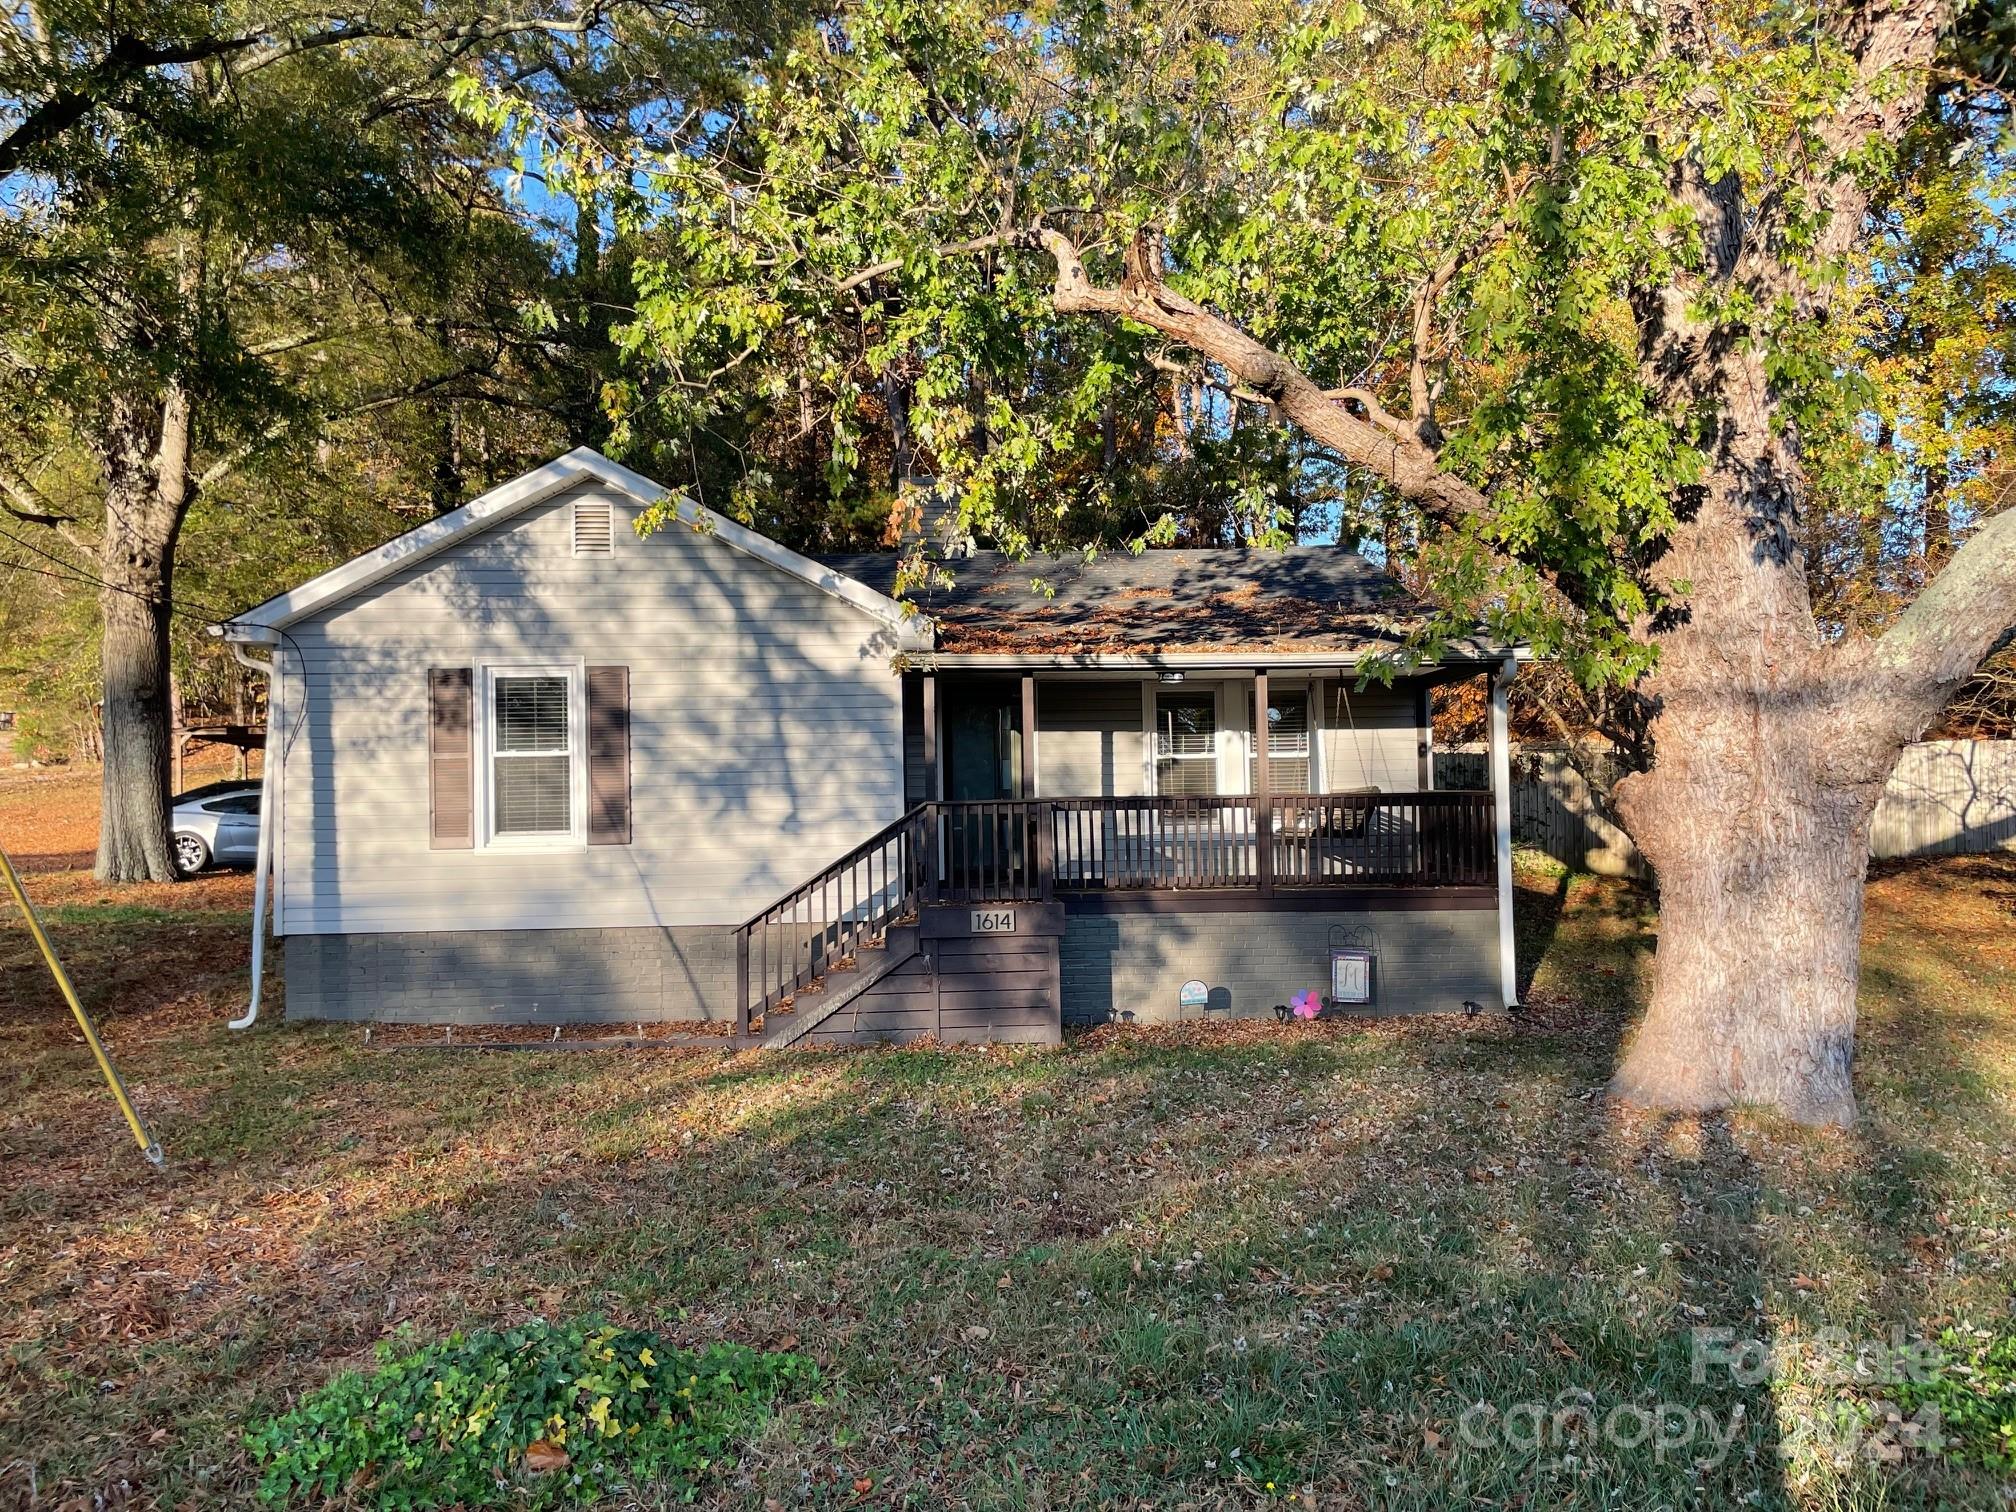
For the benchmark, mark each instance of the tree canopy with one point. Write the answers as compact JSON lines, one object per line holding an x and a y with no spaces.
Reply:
{"x":1443,"y":214}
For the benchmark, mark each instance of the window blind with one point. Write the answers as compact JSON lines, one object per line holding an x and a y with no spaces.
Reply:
{"x":1186,"y":745}
{"x":531,"y":757}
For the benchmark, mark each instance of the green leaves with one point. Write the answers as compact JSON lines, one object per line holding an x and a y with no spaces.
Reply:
{"x":1507,"y":216}
{"x":1967,"y":1393}
{"x":535,"y":1415}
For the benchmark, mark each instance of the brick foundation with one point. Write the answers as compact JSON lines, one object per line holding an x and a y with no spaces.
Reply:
{"x":527,"y":976}
{"x":1425,"y":961}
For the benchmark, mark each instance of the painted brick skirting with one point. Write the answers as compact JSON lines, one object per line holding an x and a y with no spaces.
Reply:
{"x":1425,"y":961}
{"x":529,"y":976}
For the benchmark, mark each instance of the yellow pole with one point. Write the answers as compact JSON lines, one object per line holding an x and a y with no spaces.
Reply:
{"x":149,"y":1146}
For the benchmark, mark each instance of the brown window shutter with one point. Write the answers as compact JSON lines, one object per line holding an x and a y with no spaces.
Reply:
{"x":608,"y":755}
{"x":451,"y":768}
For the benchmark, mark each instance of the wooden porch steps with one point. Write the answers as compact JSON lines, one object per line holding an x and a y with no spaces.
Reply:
{"x":841,"y":985}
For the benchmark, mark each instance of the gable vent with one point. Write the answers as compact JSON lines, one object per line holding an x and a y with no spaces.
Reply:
{"x":594,"y":528}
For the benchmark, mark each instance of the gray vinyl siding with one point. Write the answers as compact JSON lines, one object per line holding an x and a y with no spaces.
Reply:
{"x":1088,"y":739}
{"x":1370,"y":738}
{"x":765,"y":732}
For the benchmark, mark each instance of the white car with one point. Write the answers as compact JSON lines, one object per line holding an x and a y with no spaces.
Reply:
{"x":217,"y":825}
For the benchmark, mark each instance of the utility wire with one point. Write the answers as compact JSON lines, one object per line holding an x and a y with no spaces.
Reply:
{"x":209,"y":614}
{"x":201,"y":613}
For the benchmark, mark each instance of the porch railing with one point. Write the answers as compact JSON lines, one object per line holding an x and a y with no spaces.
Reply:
{"x":1314,"y":840}
{"x":1384,"y":840}
{"x":1025,"y":850}
{"x":827,"y":920}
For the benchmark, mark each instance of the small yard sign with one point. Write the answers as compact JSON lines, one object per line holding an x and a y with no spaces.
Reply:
{"x":993,"y":921}
{"x":1193,"y":994}
{"x":1350,"y":976}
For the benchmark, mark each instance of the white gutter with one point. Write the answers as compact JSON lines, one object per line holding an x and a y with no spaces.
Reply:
{"x":265,"y":854}
{"x":1501,"y":806}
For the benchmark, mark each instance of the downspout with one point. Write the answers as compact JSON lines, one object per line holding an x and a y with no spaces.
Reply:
{"x":1501,"y":807}
{"x":264,"y":860}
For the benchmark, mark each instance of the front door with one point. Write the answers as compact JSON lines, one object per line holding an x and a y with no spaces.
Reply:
{"x":986,"y":850}
{"x":983,"y":743}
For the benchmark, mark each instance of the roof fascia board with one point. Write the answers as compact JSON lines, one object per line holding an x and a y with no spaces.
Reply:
{"x":257,"y":625}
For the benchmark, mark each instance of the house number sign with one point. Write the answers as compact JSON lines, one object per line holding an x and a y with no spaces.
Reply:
{"x":993,"y":921}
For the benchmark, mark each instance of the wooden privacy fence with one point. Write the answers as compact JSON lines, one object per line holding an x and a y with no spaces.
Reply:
{"x":1947,"y":797}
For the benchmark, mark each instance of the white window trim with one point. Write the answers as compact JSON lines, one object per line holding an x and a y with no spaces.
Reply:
{"x":1235,"y":723}
{"x":1223,"y":741}
{"x":1307,"y":688}
{"x":576,"y":837}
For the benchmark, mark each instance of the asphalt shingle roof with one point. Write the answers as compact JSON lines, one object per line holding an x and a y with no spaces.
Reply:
{"x":1303,"y":599}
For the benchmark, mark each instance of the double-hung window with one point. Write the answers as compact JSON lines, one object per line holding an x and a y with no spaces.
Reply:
{"x":1186,"y":744}
{"x":532,"y":723}
{"x":1287,"y":743}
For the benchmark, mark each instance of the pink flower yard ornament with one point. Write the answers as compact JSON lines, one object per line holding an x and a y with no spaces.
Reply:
{"x":1306,"y":1005}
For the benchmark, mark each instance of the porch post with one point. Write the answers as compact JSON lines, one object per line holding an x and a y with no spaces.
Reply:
{"x":930,"y":736}
{"x":1027,"y":787}
{"x":742,"y":983}
{"x":1036,"y":823}
{"x":1263,"y":805}
{"x":1501,"y":807}
{"x":1424,"y":724}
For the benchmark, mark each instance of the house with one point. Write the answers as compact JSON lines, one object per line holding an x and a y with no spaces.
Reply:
{"x":527,"y":766}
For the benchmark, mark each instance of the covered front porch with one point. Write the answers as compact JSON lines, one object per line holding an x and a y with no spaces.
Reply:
{"x":1146,"y":776}
{"x":1044,"y":797}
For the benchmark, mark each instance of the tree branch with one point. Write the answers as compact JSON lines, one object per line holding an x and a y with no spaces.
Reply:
{"x":129,"y":59}
{"x":861,"y":276}
{"x":1953,"y":625}
{"x":1376,"y":412}
{"x":250,"y":447}
{"x":1404,"y":461}
{"x":29,"y":505}
{"x":1421,"y":395}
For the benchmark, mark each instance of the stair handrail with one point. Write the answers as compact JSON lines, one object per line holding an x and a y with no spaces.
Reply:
{"x":902,"y":886}
{"x":881,"y":837}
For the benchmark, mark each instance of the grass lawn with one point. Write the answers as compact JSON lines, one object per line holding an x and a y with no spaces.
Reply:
{"x":1254,"y":1265}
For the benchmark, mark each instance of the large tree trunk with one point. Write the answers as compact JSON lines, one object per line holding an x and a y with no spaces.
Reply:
{"x":1769,"y":760}
{"x":137,"y":565}
{"x":1760,"y":868}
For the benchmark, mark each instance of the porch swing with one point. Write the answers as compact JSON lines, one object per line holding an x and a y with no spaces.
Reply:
{"x":1353,"y":818}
